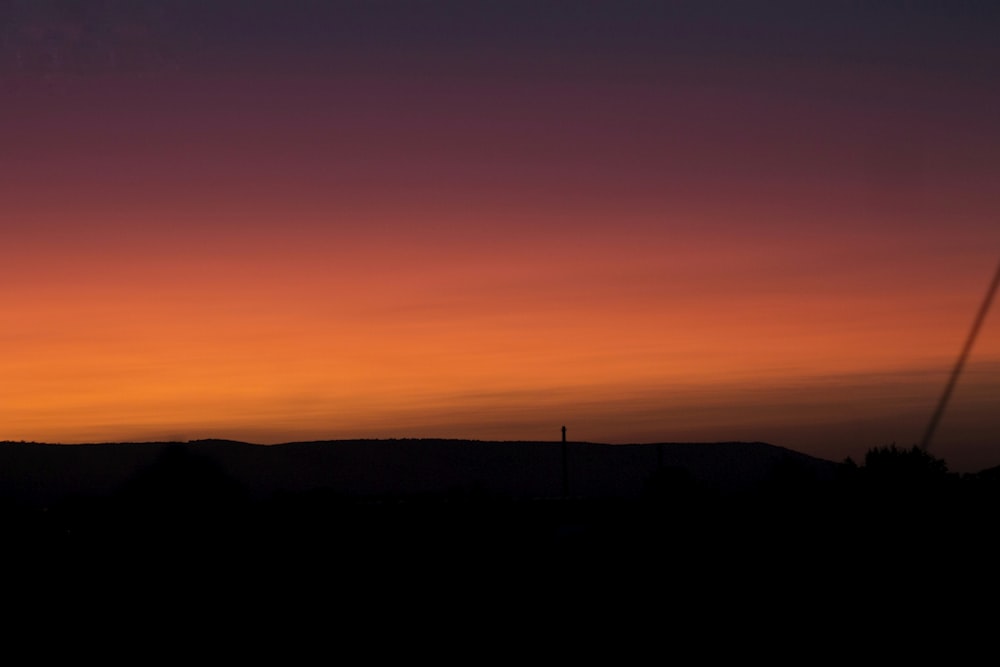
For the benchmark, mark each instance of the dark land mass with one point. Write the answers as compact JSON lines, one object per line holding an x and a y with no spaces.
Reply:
{"x":714,"y":528}
{"x":41,"y":474}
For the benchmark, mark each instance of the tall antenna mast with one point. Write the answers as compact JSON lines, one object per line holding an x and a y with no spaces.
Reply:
{"x":976,"y":326}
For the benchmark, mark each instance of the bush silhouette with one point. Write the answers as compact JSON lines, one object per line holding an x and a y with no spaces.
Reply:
{"x":182,"y":493}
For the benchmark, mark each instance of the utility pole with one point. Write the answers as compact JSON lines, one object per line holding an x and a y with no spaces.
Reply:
{"x":565,"y":466}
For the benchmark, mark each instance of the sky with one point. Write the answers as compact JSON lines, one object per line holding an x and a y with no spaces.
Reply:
{"x":648,"y":221}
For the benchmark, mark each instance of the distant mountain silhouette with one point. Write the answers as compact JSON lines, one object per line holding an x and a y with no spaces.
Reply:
{"x":40,"y":473}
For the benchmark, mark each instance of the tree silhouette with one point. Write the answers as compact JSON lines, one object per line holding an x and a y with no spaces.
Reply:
{"x":895,"y":466}
{"x":907,"y":497}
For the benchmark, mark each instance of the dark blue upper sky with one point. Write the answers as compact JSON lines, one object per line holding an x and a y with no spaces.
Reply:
{"x":956,"y":36}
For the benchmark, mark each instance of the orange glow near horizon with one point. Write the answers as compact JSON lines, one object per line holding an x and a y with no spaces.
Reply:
{"x":255,"y":337}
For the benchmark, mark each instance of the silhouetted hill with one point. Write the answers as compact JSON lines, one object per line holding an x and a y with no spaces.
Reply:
{"x":420,"y":519}
{"x":40,"y":473}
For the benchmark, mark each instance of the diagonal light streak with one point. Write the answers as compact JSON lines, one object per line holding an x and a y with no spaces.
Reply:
{"x":976,"y":326}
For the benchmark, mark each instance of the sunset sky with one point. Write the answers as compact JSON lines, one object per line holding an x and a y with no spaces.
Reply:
{"x":649,"y":221}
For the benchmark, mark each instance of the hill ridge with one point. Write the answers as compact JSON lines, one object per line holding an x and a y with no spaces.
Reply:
{"x":44,"y":473}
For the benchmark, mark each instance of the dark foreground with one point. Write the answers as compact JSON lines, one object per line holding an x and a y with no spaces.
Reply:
{"x":896,"y":538}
